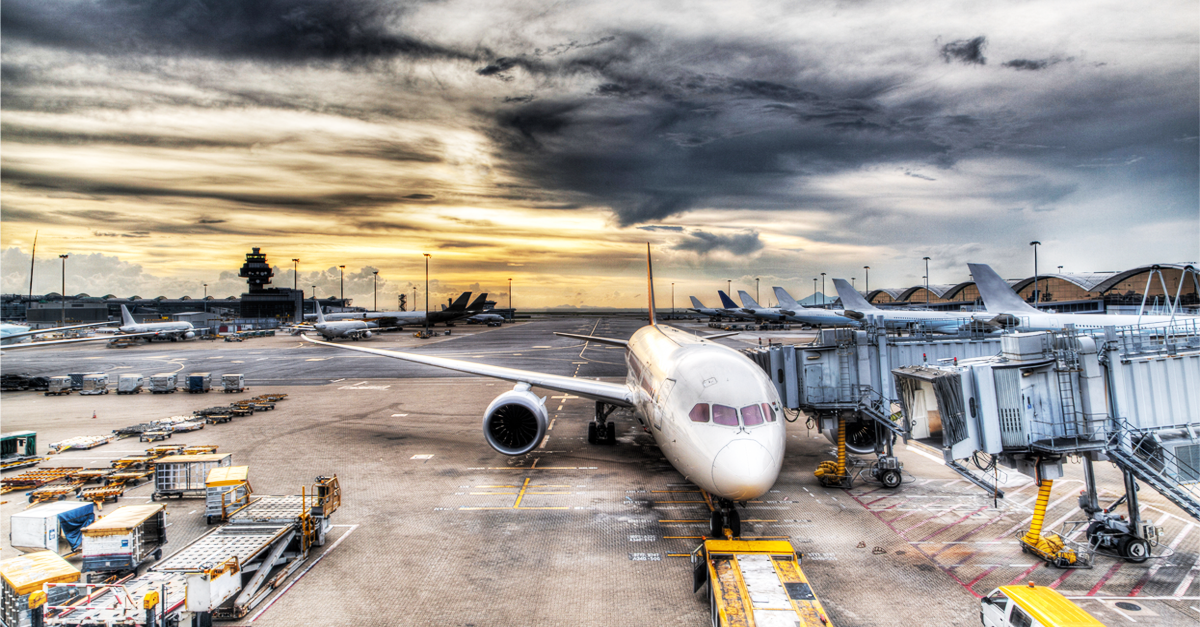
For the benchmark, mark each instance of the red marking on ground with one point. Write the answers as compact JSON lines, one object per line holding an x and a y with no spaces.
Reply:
{"x":877,"y":500}
{"x":1023,"y":575}
{"x":1110,"y":573}
{"x":903,"y":516}
{"x":920,"y":523}
{"x":971,"y":533}
{"x":953,"y":524}
{"x":1058,"y":582}
{"x":897,"y":504}
{"x":866,"y":493}
{"x":982,"y":575}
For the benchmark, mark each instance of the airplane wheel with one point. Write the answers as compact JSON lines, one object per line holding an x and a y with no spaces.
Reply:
{"x":890,"y":479}
{"x":591,"y":432}
{"x":716,"y":525}
{"x":735,"y":523}
{"x":611,"y":433}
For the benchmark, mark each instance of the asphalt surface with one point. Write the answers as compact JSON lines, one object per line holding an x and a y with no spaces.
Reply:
{"x":438,"y":528}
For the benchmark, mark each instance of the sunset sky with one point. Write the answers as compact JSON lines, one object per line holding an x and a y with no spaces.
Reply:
{"x":157,"y":142}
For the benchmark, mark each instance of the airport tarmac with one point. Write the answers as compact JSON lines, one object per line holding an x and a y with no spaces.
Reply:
{"x":438,"y":528}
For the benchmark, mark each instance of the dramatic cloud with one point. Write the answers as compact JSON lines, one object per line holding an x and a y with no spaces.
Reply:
{"x":969,"y":51}
{"x":704,"y":243}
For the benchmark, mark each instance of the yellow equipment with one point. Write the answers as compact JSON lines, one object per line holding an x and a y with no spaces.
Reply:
{"x":1048,"y":546}
{"x":833,"y":474}
{"x":771,"y":568}
{"x":1008,"y":606}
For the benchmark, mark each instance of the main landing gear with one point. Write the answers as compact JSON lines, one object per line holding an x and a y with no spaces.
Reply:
{"x":600,"y":430}
{"x":725,"y":516}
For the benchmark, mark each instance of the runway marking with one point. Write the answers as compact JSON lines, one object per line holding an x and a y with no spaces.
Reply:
{"x":399,"y":415}
{"x":305,"y":571}
{"x":521,"y":497}
{"x":1104,"y":579}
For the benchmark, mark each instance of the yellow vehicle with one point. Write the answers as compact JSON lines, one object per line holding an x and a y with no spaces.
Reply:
{"x":756,"y":582}
{"x":1032,"y":606}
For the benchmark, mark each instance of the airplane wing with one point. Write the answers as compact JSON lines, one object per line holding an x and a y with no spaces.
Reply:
{"x":613,"y":393}
{"x":718,"y":336}
{"x":13,"y":336}
{"x":106,"y":338}
{"x":593,"y":338}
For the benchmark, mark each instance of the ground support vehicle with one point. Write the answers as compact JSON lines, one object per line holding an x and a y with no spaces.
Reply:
{"x":151,"y":600}
{"x":102,"y":494}
{"x":24,"y":577}
{"x":57,"y":386}
{"x":154,"y":436}
{"x":120,"y":542}
{"x":1030,"y":605}
{"x":233,"y":383}
{"x":129,"y":477}
{"x":185,"y":475}
{"x":227,"y":489}
{"x":80,"y":443}
{"x":199,"y":382}
{"x":18,"y":449}
{"x":130,"y":384}
{"x":77,"y":379}
{"x":55,"y":492}
{"x":34,"y":478}
{"x":133,"y":462}
{"x":755,"y":582}
{"x":52,"y":527}
{"x":162,"y":383}
{"x":94,"y":384}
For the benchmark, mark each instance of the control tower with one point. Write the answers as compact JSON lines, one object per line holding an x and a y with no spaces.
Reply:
{"x":279,"y":303}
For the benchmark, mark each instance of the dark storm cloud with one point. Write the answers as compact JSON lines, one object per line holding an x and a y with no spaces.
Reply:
{"x":1033,"y":64}
{"x":969,"y":51}
{"x":660,"y":227}
{"x":277,"y":30}
{"x":703,"y":242}
{"x":27,"y":135}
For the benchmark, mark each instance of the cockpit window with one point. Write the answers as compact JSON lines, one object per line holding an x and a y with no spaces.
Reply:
{"x":699,"y":413}
{"x":752,"y":415}
{"x":723,"y":415}
{"x":768,"y":412}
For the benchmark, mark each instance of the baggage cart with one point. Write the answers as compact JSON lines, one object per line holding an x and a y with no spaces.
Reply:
{"x":51,"y":527}
{"x":185,"y":475}
{"x":26,"y":574}
{"x":77,"y":379}
{"x":94,"y":384}
{"x":125,"y":539}
{"x":57,"y":386}
{"x":18,"y":449}
{"x":130,"y":384}
{"x":199,"y":382}
{"x":162,"y":383}
{"x":154,"y":436}
{"x":233,"y":382}
{"x":227,"y":490}
{"x":755,"y":582}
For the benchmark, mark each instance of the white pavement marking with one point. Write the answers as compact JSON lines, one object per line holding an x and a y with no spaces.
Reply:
{"x":1187,"y":580}
{"x":305,"y":571}
{"x":918,"y":451}
{"x":1030,"y":519}
{"x":1174,"y":543}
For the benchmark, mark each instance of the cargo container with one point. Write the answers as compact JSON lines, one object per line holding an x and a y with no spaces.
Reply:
{"x":57,"y":386}
{"x":25,"y":574}
{"x":77,"y":379}
{"x":227,"y":490}
{"x":51,"y":527}
{"x":123,"y":540}
{"x":130,"y":384}
{"x":162,"y":383}
{"x":199,"y":382}
{"x":18,"y":445}
{"x":94,"y":384}
{"x":186,"y":475}
{"x":234,"y":382}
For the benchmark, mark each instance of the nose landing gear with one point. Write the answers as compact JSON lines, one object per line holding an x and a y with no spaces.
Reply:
{"x":725,"y":519}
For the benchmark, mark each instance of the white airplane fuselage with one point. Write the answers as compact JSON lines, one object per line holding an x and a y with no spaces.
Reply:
{"x":182,"y":330}
{"x":671,"y":374}
{"x":353,"y":329}
{"x":1055,"y":322}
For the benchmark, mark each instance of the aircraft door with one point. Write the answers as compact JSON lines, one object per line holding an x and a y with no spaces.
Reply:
{"x":660,"y":402}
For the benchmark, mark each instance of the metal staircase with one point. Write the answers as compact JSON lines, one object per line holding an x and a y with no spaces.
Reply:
{"x":1138,"y":453}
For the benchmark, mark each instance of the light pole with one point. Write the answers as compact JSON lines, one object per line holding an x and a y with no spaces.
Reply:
{"x":756,"y":296}
{"x":342,"y":283}
{"x":316,"y":303}
{"x":206,"y":298}
{"x":672,"y":300}
{"x":63,"y":293}
{"x":926,"y":280}
{"x":814,"y":290}
{"x":852,"y":279}
{"x":427,"y":256}
{"x":376,"y":273}
{"x":728,"y":286}
{"x":1060,"y":269}
{"x":822,"y":289}
{"x":868,"y":288}
{"x":1036,"y":293}
{"x":510,"y":293}
{"x":295,"y":272}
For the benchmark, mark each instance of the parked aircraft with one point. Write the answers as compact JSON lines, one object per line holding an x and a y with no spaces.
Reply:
{"x":813,"y":316}
{"x":752,"y":307}
{"x":714,"y":414}
{"x":857,"y":307}
{"x":353,"y":329}
{"x":999,"y":298}
{"x":455,"y":311}
{"x":173,"y":331}
{"x":14,"y":333}
{"x":730,"y":309}
{"x":699,"y":308}
{"x":489,"y":319}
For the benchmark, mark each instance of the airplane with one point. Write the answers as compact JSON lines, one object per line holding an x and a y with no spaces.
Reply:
{"x":713,"y":413}
{"x":353,"y":329}
{"x":174,"y":331}
{"x":455,"y":311}
{"x":999,"y":298}
{"x":765,"y":313}
{"x":489,"y":319}
{"x":857,"y":307}
{"x":811,"y":315}
{"x":14,"y":333}
{"x":730,"y":308}
{"x":699,"y":308}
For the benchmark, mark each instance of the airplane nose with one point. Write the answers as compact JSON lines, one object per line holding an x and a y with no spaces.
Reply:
{"x":743,"y":470}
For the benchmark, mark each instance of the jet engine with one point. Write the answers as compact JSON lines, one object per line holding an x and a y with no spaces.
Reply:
{"x":516,"y":421}
{"x":861,"y":435}
{"x":189,"y":335}
{"x":366,"y":335}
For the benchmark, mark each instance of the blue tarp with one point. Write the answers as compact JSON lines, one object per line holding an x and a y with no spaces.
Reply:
{"x":71,"y":524}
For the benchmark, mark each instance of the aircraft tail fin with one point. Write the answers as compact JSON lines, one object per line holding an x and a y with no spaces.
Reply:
{"x":696,"y":302}
{"x":460,"y":303}
{"x":785,"y":299}
{"x":726,"y":301}
{"x":750,"y":303}
{"x":851,"y":299}
{"x":996,"y":294}
{"x":650,"y":284}
{"x":126,"y":319}
{"x":479,"y":303}
{"x":320,"y":314}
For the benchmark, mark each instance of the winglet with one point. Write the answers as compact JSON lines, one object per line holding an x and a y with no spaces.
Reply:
{"x":126,"y":319}
{"x":650,"y":283}
{"x":851,"y":299}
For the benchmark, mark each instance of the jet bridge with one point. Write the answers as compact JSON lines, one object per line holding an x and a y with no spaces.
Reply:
{"x":1123,"y":395}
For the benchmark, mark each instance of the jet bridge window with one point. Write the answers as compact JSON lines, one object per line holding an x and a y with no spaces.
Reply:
{"x":699,"y":413}
{"x":752,"y":415}
{"x":723,"y":415}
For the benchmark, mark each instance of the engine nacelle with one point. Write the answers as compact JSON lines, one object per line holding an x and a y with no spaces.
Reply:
{"x":366,"y":335}
{"x":861,"y":436}
{"x":189,"y":335}
{"x":516,"y":421}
